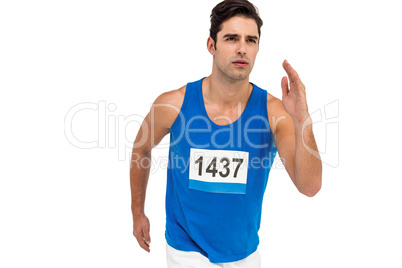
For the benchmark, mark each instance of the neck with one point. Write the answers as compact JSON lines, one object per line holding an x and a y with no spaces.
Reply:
{"x":225,"y":92}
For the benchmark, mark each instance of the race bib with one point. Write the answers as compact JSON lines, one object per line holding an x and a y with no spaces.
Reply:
{"x":218,"y":171}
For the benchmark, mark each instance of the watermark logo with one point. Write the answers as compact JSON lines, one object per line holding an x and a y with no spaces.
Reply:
{"x":112,"y":132}
{"x":111,"y":128}
{"x":326,"y":127}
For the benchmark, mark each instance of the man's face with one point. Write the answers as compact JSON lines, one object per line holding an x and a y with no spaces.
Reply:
{"x":236,"y":48}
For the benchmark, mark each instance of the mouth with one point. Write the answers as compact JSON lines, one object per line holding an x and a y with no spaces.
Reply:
{"x":240,"y":63}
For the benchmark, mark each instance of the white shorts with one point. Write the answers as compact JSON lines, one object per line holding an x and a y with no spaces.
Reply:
{"x":191,"y":259}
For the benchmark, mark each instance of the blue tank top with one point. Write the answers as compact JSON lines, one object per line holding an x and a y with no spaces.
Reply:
{"x":216,"y":178}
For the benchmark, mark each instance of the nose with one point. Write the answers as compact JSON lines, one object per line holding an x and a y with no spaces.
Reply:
{"x":241,"y":49}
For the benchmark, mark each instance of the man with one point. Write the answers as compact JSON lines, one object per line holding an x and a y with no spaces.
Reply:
{"x":224,"y":135}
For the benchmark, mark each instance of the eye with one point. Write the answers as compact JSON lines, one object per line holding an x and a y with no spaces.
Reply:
{"x":230,"y":38}
{"x":252,"y":40}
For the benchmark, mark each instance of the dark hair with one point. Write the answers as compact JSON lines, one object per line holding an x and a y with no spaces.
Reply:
{"x":230,"y":8}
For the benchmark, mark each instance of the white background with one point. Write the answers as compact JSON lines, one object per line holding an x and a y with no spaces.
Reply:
{"x":65,"y":206}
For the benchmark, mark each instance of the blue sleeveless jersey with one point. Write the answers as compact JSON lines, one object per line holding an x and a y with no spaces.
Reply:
{"x":216,"y":178}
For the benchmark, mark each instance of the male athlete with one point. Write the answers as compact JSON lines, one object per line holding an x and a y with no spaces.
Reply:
{"x":224,"y":134}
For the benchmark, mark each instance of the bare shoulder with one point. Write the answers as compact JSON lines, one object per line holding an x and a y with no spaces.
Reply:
{"x":172,"y":97}
{"x":167,"y":105}
{"x":276,"y":112}
{"x":272,"y":100}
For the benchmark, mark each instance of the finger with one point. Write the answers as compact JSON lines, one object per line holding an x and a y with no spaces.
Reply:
{"x":285,"y":86}
{"x":293,"y":75}
{"x":145,"y":241}
{"x":286,"y":67}
{"x":142,"y":243}
{"x":146,"y":235}
{"x":145,"y":246}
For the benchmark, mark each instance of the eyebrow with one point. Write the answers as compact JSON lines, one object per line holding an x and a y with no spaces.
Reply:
{"x":236,"y":35}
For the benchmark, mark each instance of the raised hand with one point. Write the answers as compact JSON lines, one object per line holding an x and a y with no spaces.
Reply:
{"x":294,"y":98}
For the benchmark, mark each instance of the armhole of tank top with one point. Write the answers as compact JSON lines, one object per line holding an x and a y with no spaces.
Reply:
{"x":265,"y":101}
{"x":271,"y":137}
{"x":182,"y":109}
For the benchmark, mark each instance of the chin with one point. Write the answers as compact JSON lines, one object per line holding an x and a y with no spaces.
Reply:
{"x":239,"y":76}
{"x":234,"y":74}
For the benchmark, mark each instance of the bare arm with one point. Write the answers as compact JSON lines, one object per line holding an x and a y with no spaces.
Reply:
{"x":141,"y":160}
{"x":308,"y":166}
{"x":298,"y":151}
{"x":294,"y":136}
{"x":155,"y":126}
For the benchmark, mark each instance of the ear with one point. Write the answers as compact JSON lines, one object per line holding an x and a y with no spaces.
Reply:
{"x":211,"y":45}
